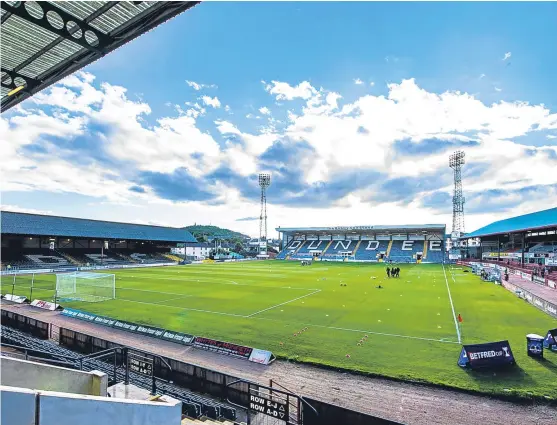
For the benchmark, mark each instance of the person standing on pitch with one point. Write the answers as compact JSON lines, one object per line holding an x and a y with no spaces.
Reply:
{"x":388,"y":272}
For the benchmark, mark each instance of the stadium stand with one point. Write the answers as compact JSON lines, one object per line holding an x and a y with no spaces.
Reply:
{"x":32,"y":241}
{"x":194,"y":405}
{"x":365,"y":243}
{"x":368,"y":250}
{"x":405,"y":251}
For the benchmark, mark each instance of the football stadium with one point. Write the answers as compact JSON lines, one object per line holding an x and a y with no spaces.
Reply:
{"x":112,"y":322}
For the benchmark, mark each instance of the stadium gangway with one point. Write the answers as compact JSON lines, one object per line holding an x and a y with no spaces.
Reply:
{"x":285,"y":395}
{"x":46,"y":358}
{"x":202,"y":404}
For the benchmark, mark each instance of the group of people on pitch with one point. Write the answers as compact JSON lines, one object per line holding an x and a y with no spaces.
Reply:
{"x":393,"y":272}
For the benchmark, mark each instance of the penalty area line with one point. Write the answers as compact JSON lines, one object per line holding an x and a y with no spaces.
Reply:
{"x":442,"y":340}
{"x":452,"y":305}
{"x":286,"y":302}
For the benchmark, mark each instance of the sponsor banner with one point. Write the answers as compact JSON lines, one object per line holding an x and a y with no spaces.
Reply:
{"x":177,"y":337}
{"x":15,"y":298}
{"x":551,"y":284}
{"x":551,"y":261}
{"x":31,"y":271}
{"x":131,"y":327}
{"x":105,"y":321}
{"x":260,"y":356}
{"x":488,"y":355}
{"x":70,"y":312}
{"x":539,"y":279}
{"x":222,"y":347}
{"x":45,"y":304}
{"x":125,"y":326}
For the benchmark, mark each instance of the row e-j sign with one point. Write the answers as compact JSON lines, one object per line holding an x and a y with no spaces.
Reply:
{"x":268,"y":407}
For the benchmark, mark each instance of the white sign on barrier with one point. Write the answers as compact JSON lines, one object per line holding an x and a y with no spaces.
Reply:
{"x":260,"y":356}
{"x":44,"y":304}
{"x":15,"y":298}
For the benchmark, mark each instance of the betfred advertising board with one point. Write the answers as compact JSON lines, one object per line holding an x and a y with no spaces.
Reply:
{"x":488,"y":355}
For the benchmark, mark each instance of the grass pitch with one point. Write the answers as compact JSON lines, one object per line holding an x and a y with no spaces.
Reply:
{"x":410,"y":324}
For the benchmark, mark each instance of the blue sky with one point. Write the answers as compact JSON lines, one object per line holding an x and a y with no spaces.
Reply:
{"x":352,"y":107}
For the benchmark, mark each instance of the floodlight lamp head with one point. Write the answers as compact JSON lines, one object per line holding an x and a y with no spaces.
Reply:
{"x":264,"y":180}
{"x":456,"y":159}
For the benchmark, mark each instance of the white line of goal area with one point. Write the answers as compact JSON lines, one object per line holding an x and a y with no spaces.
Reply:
{"x":452,"y":306}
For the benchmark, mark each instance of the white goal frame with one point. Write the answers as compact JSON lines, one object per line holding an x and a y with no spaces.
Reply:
{"x":86,"y":286}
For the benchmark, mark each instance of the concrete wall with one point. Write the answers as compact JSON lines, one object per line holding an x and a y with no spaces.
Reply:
{"x":329,"y":414}
{"x":39,"y":376}
{"x":17,"y":406}
{"x":23,"y":407}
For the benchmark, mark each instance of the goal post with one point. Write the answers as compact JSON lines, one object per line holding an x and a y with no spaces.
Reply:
{"x":84,"y":286}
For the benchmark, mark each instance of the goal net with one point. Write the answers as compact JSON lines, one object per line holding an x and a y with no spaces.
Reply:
{"x":90,"y":287}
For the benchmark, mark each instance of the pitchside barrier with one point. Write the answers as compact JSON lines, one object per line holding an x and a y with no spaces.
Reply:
{"x":488,"y":355}
{"x":536,"y":301}
{"x":248,"y":353}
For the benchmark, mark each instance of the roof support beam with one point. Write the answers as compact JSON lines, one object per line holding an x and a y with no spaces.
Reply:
{"x":67,"y":31}
{"x":109,"y":5}
{"x":30,"y":83}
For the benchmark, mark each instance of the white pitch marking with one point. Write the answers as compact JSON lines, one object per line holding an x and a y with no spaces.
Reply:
{"x":364,"y":331}
{"x":184,"y":308}
{"x":286,"y":302}
{"x":173,"y":299}
{"x":452,"y":306}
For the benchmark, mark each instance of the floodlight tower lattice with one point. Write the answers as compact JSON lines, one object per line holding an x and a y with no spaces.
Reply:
{"x":456,"y":161}
{"x":264,"y":183}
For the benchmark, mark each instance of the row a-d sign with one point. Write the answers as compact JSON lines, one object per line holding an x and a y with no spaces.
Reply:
{"x":268,"y":407}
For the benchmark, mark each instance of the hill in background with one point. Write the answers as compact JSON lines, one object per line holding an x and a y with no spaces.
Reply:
{"x":207,"y":233}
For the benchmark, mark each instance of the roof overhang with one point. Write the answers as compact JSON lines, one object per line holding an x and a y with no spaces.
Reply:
{"x":525,"y":230}
{"x":43,"y":42}
{"x":365,"y":229}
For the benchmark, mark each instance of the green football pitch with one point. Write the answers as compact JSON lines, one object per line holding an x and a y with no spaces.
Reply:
{"x":321,"y":313}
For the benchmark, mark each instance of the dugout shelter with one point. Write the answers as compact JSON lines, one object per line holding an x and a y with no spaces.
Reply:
{"x":397,"y":243}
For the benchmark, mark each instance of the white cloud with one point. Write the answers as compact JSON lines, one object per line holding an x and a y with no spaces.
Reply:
{"x":482,"y":76}
{"x":551,"y":136}
{"x":199,"y":86}
{"x":364,"y":134}
{"x":15,"y":208}
{"x":265,"y":111}
{"x":372,"y":84}
{"x":507,"y":56}
{"x":358,"y":82}
{"x":285,"y":91}
{"x":214,"y":102}
{"x":497,"y":89}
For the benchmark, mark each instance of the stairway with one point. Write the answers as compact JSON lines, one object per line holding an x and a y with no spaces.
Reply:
{"x":389,"y":248}
{"x":173,"y":257}
{"x":326,"y":248}
{"x":68,"y":258}
{"x":424,"y":255}
{"x":300,"y":247}
{"x":356,"y":249}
